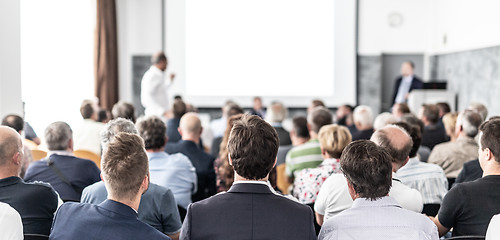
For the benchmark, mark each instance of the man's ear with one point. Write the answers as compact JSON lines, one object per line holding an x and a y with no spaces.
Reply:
{"x":179,"y":130}
{"x":145,"y":183}
{"x":229,"y":159}
{"x":405,"y":162}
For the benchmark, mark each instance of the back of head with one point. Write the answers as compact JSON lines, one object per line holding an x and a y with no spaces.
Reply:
{"x":318,"y":118}
{"x":449,"y":122}
{"x":179,"y":108}
{"x":367,"y":168}
{"x":233,"y":109}
{"x":470,"y":122}
{"x":10,"y":144}
{"x":395,"y":140}
{"x":334,"y":138}
{"x":300,"y":127}
{"x":479,"y":108}
{"x":88,"y":108}
{"x":363,"y":115}
{"x":58,"y":135}
{"x":430,"y":112}
{"x":276,"y":113}
{"x":490,"y":137}
{"x":401,"y":108}
{"x":124,"y":165}
{"x":444,"y":108}
{"x":383,"y":120}
{"x":153,"y":130}
{"x":158,"y":57}
{"x":415,"y":134}
{"x":123,"y":109}
{"x":114,"y":127}
{"x":253,"y":146}
{"x":412,"y":119}
{"x":317,"y":103}
{"x":14,"y":121}
{"x":190,"y":124}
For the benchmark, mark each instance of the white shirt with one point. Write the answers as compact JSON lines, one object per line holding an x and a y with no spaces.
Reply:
{"x":379,"y":219}
{"x":154,"y":89}
{"x":88,"y":136}
{"x":493,"y":231}
{"x":218,"y":126}
{"x":404,"y":88}
{"x":11,"y":226}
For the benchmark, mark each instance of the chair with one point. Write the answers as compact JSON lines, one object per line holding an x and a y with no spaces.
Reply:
{"x":282,"y":179}
{"x":431,"y":209}
{"x":30,"y":144}
{"x":35,"y":237}
{"x":38,"y":154}
{"x":467,"y":238}
{"x":88,"y":155}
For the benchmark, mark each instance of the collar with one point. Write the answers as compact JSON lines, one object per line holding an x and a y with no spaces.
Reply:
{"x":119,"y":208}
{"x":10,"y":181}
{"x":152,"y":155}
{"x":466,"y":139}
{"x":379,"y":202}
{"x":412,"y":161}
{"x":276,"y":124}
{"x":60,"y":152}
{"x":250,"y":187}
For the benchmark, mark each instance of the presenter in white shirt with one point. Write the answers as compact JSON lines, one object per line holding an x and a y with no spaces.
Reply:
{"x":154,"y":87}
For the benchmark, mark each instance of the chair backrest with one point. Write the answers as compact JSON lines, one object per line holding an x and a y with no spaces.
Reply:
{"x":30,"y":144}
{"x":467,"y":238}
{"x":281,"y":179}
{"x":38,"y":154}
{"x":88,"y":155}
{"x":35,"y":237}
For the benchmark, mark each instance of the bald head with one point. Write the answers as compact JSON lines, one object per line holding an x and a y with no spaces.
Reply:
{"x":190,"y":127}
{"x":10,"y":144}
{"x":396,"y":141}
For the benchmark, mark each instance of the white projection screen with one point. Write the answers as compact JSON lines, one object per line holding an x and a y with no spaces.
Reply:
{"x":292,"y":51}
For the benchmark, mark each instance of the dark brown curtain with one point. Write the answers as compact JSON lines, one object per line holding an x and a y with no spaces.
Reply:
{"x":106,"y":54}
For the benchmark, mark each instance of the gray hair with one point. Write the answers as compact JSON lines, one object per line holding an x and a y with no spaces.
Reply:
{"x":364,"y":115}
{"x":276,"y":113}
{"x":471,"y":121}
{"x":114,"y":127}
{"x":58,"y":135}
{"x":383,"y":120}
{"x":479,"y":108}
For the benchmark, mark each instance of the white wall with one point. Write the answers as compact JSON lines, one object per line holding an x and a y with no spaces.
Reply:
{"x":139,"y":33}
{"x":10,"y":58}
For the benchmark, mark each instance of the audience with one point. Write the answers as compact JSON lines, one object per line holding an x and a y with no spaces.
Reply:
{"x":30,"y":134}
{"x":190,"y":130}
{"x":363,"y":120}
{"x":423,"y":151}
{"x":68,"y":174}
{"x":231,"y":110}
{"x":314,"y":104}
{"x":493,"y":231}
{"x":35,"y":202}
{"x":257,"y":108}
{"x":157,"y":207}
{"x":223,"y":170}
{"x":451,"y":156}
{"x":86,"y":136}
{"x":449,"y":123}
{"x":343,"y":117}
{"x":172,"y":171}
{"x":218,"y":126}
{"x":11,"y":226}
{"x":433,"y":133}
{"x":126,"y":177}
{"x":308,"y":155}
{"x":400,"y":109}
{"x":468,"y":207}
{"x":427,"y":178}
{"x":17,"y":123}
{"x":383,"y":120}
{"x":276,"y":114}
{"x":123,"y":109}
{"x":479,"y":108}
{"x":178,"y":110}
{"x":250,"y":209}
{"x":374,"y":214}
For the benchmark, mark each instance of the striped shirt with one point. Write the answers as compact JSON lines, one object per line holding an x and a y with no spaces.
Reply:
{"x":307,"y":155}
{"x":429,"y":179}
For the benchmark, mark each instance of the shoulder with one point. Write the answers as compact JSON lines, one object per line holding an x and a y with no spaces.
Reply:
{"x":180,"y":158}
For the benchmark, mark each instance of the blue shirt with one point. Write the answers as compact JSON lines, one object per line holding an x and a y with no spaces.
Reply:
{"x":176,"y":172}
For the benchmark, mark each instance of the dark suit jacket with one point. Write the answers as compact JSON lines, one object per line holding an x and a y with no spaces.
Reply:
{"x":284,"y":136}
{"x":416,"y":83}
{"x":172,"y":132}
{"x":471,"y":171}
{"x":248,"y":211}
{"x":433,"y":135}
{"x":108,"y":220}
{"x":204,"y":164}
{"x":80,"y":172}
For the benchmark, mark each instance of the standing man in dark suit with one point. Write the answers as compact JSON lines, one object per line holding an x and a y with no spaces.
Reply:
{"x":190,"y":130}
{"x":250,"y":209}
{"x":406,"y":83}
{"x":125,"y":174}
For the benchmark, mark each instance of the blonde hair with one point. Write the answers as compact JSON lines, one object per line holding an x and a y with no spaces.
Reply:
{"x":334,"y":138}
{"x":449,"y":122}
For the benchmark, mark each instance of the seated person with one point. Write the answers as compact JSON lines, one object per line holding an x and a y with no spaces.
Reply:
{"x":68,"y":174}
{"x":126,"y":177}
{"x":11,"y":226}
{"x":374,"y":214}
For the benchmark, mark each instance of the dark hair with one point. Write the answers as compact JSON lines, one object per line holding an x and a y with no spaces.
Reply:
{"x":300,"y":127}
{"x":412,"y":119}
{"x":491,"y":137}
{"x":415,"y":134}
{"x":152,"y":129}
{"x":179,"y":108}
{"x":367,"y":168}
{"x":87,"y":109}
{"x":123,"y":109}
{"x":318,"y":118}
{"x":411,"y":64}
{"x":234,"y":109}
{"x":124,"y":165}
{"x":444,"y":107}
{"x":431,"y":112}
{"x":253,"y":146}
{"x":102,"y":115}
{"x":318,"y":103}
{"x":158,"y":58}
{"x":13,"y":121}
{"x":403,"y":108}
{"x":393,"y":142}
